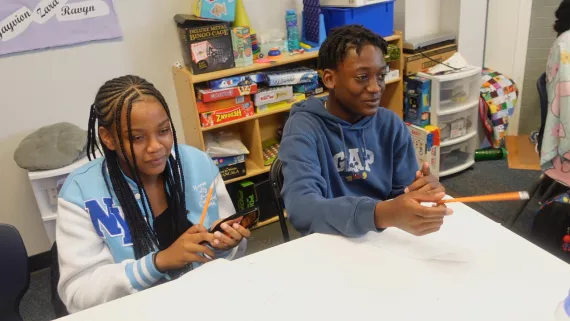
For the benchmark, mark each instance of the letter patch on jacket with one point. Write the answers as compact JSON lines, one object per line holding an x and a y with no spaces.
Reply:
{"x":108,"y":220}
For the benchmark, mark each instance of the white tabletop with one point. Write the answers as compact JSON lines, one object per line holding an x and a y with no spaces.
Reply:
{"x":496,"y":276}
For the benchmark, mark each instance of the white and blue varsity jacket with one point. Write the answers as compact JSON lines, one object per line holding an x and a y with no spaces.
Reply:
{"x":96,"y":255}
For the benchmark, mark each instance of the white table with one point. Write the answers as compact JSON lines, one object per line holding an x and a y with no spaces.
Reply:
{"x":322,"y":277}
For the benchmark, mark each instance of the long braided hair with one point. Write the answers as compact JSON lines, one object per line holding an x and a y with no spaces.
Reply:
{"x":111,"y":99}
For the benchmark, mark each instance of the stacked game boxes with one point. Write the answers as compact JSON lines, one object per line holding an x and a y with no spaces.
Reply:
{"x":286,"y":87}
{"x":227,"y":99}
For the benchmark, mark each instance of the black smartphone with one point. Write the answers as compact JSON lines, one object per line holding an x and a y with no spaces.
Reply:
{"x":246,"y":218}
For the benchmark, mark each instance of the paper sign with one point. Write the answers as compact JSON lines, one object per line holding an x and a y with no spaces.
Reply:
{"x":36,"y":24}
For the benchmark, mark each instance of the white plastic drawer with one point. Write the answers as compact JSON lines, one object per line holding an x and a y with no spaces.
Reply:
{"x":459,"y":92}
{"x":46,"y":191}
{"x":49,"y":226}
{"x":459,"y":124}
{"x":454,"y":158}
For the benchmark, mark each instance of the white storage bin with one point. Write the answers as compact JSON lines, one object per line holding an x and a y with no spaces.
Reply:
{"x":46,"y":186}
{"x":457,"y":157}
{"x":49,"y":226}
{"x":46,"y":191}
{"x":455,"y":90}
{"x":456,"y":124}
{"x":349,"y":3}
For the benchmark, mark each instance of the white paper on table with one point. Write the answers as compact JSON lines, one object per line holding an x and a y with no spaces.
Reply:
{"x":443,"y":245}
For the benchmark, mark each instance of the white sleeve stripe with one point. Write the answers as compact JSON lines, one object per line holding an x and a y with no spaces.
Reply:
{"x":151,"y":269}
{"x":129,"y":269}
{"x":138,"y":277}
{"x":145,"y":272}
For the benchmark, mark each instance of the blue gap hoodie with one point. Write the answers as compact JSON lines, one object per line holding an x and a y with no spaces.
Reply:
{"x":335,"y":172}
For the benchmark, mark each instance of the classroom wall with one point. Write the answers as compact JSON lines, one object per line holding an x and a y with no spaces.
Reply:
{"x":44,"y":87}
{"x":540,"y":40}
{"x":417,"y":18}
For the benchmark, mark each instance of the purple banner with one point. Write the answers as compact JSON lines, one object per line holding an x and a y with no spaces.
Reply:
{"x":36,"y":24}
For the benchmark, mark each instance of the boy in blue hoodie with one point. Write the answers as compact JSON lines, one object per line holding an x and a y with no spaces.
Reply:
{"x":344,"y":157}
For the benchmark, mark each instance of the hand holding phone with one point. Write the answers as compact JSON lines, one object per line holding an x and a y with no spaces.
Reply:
{"x":230,"y":231}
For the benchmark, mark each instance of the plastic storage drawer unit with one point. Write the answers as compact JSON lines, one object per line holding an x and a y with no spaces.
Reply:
{"x":457,"y":157}
{"x":454,"y":125}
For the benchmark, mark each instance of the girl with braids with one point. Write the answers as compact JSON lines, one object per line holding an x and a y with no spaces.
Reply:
{"x":129,"y":220}
{"x":344,"y":156}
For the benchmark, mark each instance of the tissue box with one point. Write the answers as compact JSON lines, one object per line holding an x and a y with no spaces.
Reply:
{"x":225,"y":115}
{"x":285,"y":103}
{"x":417,"y":100}
{"x":241,"y":42}
{"x":234,"y":81}
{"x":219,"y":104}
{"x":291,"y":77}
{"x":215,"y":9}
{"x":272,"y":95}
{"x":209,"y":95}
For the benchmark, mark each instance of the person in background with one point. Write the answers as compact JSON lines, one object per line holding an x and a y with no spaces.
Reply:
{"x":129,"y":220}
{"x":555,"y":150}
{"x":349,"y":166}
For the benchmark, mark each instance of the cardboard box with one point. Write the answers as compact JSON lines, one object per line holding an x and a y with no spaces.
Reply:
{"x":241,"y":43}
{"x":427,"y":145}
{"x":291,"y":77}
{"x":209,"y":95}
{"x":246,"y":195}
{"x":309,"y":89}
{"x":206,"y":44}
{"x":233,"y":171}
{"x":417,"y":100}
{"x":273,"y":95}
{"x":241,"y":80}
{"x":414,"y":63}
{"x":219,"y":104}
{"x":215,"y":9}
{"x":225,"y":115}
{"x":282,"y":104}
{"x":227,"y":161}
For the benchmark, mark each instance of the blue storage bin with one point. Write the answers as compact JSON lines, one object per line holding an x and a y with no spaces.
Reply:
{"x":377,"y":17}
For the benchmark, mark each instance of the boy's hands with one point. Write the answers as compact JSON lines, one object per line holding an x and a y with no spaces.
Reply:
{"x":425,"y":181}
{"x":406,"y":213}
{"x":186,"y":249}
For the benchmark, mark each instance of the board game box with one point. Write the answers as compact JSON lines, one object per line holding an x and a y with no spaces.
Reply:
{"x":240,"y":80}
{"x":209,"y":95}
{"x":219,"y":104}
{"x":225,"y":115}
{"x":206,"y":44}
{"x":273,"y":95}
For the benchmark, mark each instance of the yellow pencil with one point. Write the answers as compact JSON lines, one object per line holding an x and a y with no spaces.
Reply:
{"x":205,"y":210}
{"x":511,"y":196}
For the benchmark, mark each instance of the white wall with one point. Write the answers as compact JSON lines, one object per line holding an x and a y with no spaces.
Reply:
{"x":464,"y":18}
{"x":507,"y":54}
{"x":44,"y":87}
{"x":417,"y":18}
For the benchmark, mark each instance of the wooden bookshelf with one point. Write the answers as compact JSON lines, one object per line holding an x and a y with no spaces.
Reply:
{"x":255,"y":129}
